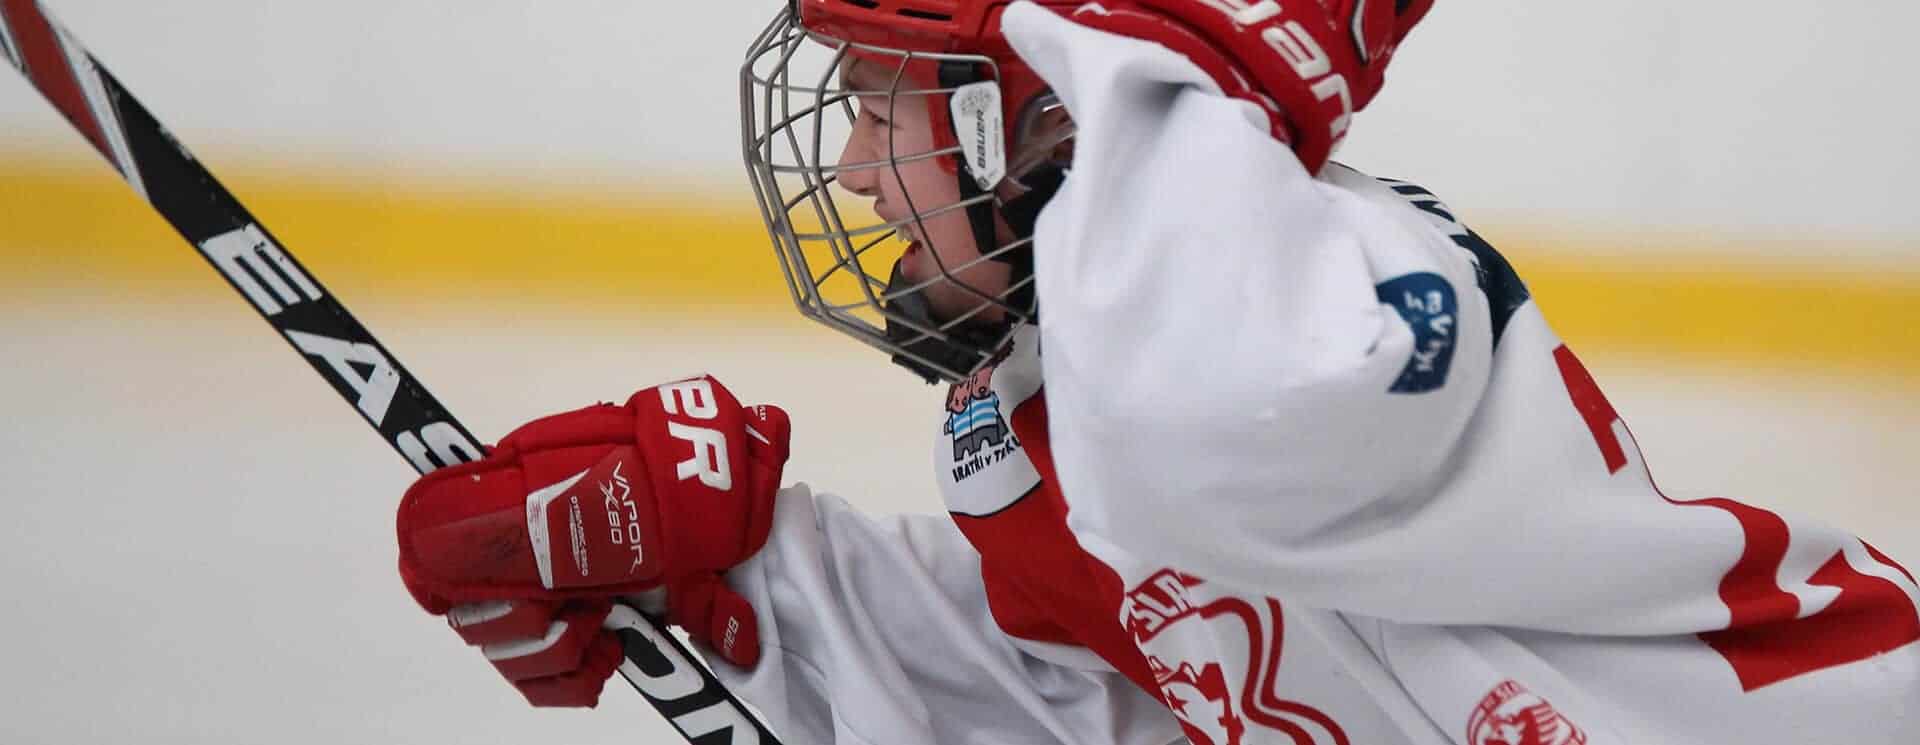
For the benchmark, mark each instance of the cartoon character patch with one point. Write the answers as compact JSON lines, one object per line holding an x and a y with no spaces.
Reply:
{"x":1512,"y":715}
{"x":1219,"y":696}
{"x":973,"y":414}
{"x":977,"y":424}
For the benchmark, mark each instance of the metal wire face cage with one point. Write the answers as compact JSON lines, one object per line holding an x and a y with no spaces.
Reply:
{"x":841,"y":258}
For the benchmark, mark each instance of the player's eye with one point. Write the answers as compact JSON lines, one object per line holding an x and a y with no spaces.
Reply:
{"x":874,"y":113}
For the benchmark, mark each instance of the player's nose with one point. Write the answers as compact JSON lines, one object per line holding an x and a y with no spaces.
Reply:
{"x":855,"y":170}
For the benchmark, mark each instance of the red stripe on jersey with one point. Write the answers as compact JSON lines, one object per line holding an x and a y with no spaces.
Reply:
{"x":1262,"y":704}
{"x":1751,"y":588}
{"x":46,"y":65}
{"x":1767,"y":641}
{"x":1593,"y":406}
{"x":1888,"y":560}
{"x":1041,"y":585}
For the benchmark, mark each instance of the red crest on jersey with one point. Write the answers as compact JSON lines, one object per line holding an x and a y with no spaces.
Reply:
{"x":1201,"y":700}
{"x":1512,"y":715}
{"x":1217,"y":700}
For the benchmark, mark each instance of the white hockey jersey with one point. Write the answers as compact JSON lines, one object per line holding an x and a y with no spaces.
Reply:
{"x":1295,"y":460}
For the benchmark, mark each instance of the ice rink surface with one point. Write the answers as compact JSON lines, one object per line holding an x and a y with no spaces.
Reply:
{"x":199,"y":541}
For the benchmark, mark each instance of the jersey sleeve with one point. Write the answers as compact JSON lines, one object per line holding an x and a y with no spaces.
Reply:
{"x":876,"y":631}
{"x":1244,"y":363}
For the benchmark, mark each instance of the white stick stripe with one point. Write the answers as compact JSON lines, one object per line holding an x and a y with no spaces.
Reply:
{"x":755,"y":434}
{"x":88,"y":75}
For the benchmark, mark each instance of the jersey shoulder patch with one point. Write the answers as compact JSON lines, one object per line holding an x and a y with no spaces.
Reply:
{"x":981,"y":465}
{"x":1427,"y":303}
{"x":1496,"y":277}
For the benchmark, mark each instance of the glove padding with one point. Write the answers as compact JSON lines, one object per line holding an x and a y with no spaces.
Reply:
{"x":524,"y":549}
{"x":1309,"y":65}
{"x":554,"y":653}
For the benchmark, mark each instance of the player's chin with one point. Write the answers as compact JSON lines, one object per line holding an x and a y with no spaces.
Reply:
{"x":944,"y":296}
{"x":949,"y":302}
{"x":918,"y":264}
{"x":938,"y":297}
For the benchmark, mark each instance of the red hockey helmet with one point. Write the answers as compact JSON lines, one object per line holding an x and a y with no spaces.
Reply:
{"x":882,"y":29}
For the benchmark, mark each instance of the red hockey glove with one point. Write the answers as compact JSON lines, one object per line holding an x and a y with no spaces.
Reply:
{"x":524,"y":549}
{"x":1310,"y":65}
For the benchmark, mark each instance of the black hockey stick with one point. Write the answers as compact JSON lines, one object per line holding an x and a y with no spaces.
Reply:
{"x":336,"y":344}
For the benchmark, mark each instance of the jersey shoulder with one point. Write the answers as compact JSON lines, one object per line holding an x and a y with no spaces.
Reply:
{"x":1494,"y":275}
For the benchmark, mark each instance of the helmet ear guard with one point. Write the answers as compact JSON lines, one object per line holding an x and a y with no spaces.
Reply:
{"x":984,"y":146}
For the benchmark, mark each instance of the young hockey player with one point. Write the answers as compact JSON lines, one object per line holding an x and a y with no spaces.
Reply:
{"x":1242,"y":446}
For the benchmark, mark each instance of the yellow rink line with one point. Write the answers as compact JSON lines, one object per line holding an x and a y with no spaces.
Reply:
{"x":69,"y":227}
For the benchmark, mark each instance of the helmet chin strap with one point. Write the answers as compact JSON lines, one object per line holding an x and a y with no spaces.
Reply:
{"x":1021,"y":214}
{"x":966,"y":345}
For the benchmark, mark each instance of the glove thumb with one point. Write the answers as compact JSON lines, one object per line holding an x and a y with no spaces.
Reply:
{"x":769,"y":432}
{"x":714,"y":615}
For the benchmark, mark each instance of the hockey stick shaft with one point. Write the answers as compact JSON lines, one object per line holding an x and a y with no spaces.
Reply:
{"x":338,"y":347}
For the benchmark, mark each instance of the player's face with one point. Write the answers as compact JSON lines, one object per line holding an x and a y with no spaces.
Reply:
{"x":901,"y":125}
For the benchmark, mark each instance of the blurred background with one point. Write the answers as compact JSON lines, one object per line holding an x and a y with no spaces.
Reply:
{"x":537,"y":206}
